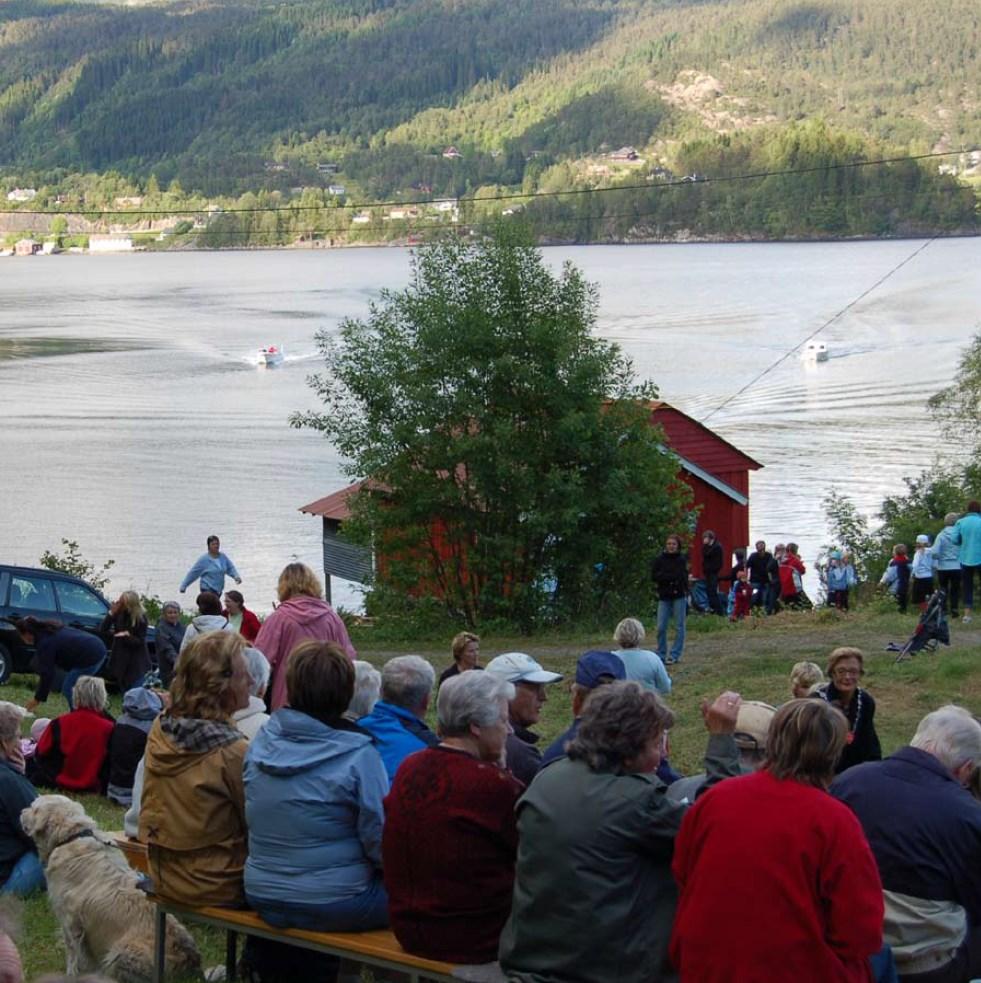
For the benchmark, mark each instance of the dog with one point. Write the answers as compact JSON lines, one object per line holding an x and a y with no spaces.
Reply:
{"x":107,"y":922}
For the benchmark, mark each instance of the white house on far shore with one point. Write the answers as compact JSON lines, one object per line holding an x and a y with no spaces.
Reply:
{"x":110,"y":244}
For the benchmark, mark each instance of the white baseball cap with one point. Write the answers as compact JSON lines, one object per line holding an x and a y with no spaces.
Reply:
{"x":922,"y":540}
{"x":516,"y":667}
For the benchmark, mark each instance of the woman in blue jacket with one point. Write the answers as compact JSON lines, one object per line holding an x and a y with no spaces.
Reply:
{"x":313,"y":804}
{"x":947,"y":563}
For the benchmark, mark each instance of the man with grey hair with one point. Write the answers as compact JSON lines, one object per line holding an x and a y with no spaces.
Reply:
{"x":396,"y":723}
{"x":530,"y":681}
{"x":924,"y":828}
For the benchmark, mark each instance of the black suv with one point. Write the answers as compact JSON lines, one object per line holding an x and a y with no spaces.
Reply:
{"x":48,"y":595}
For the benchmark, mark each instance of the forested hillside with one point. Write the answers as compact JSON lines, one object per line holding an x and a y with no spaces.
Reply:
{"x":532,"y":95}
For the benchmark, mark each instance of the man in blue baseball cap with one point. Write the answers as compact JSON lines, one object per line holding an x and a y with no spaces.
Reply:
{"x":594,"y":669}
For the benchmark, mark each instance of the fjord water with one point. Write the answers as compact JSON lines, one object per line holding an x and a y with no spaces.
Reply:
{"x":134,"y":419}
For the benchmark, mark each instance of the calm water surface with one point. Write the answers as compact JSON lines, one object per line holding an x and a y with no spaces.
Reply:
{"x":133,"y":417}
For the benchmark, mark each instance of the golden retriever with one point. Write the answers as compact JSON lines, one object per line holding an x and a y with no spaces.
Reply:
{"x":107,"y":922}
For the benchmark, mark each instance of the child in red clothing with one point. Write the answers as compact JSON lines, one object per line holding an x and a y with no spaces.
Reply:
{"x":743,"y":597}
{"x":73,"y":749}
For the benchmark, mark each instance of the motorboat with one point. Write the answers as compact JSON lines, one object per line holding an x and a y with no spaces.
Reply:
{"x":816,"y":351}
{"x":271,"y":355}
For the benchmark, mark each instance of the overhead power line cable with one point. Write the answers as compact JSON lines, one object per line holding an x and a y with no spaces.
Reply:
{"x":831,"y":320}
{"x":686,"y":182}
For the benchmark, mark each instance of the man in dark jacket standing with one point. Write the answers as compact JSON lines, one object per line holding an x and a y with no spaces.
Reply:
{"x":670,"y":573}
{"x":924,"y":828}
{"x":764,"y":571}
{"x":711,"y":568}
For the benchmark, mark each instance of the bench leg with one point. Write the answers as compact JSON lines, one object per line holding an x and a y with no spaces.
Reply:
{"x":160,"y":947}
{"x":231,"y":956}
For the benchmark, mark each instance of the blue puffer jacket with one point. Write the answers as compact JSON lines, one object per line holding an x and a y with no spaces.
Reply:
{"x":398,"y":733}
{"x":967,"y":533}
{"x":313,"y":805}
{"x":946,"y":552}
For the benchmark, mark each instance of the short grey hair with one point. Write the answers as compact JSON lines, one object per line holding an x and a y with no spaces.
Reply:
{"x":406,"y":681}
{"x":951,"y":735}
{"x":950,"y":518}
{"x":629,"y":633}
{"x":89,"y":693}
{"x":258,"y":666}
{"x":367,"y":686}
{"x":472,"y":697}
{"x":10,"y":717}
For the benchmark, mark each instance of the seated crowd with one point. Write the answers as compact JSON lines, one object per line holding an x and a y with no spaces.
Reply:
{"x":797,"y":853}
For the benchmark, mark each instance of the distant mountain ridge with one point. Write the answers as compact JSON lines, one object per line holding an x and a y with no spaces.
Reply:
{"x":236,"y":95}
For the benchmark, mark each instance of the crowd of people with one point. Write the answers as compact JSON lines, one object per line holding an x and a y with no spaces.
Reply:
{"x":276,"y":770}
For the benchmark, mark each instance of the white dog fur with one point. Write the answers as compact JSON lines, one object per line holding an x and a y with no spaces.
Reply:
{"x":106,"y":921}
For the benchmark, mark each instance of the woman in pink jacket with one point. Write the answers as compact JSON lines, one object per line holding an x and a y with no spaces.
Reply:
{"x":302,"y":614}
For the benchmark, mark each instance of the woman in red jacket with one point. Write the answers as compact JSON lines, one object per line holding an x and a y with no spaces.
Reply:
{"x":775,"y":877}
{"x":73,"y":749}
{"x":240,"y":616}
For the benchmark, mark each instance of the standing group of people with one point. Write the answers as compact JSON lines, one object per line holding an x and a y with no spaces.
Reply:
{"x":952,"y":563}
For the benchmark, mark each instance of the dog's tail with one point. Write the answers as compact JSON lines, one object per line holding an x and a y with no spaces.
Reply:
{"x":131,"y":960}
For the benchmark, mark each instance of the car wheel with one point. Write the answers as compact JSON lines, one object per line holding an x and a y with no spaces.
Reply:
{"x":5,"y":665}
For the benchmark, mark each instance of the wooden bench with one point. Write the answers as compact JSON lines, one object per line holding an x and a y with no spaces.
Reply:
{"x":134,"y":851}
{"x":378,"y":948}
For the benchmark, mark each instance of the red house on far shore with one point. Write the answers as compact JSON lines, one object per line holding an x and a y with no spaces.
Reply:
{"x":716,"y":472}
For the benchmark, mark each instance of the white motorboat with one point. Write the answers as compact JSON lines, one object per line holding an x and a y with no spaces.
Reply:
{"x":816,"y":351}
{"x":271,"y":355}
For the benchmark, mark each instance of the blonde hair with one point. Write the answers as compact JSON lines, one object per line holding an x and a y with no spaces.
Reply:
{"x":629,"y":633}
{"x":461,"y":641}
{"x":130,"y":603}
{"x":89,"y":693}
{"x":840,"y":654}
{"x":805,"y":740}
{"x":203,"y":674}
{"x":298,"y":579}
{"x":805,"y":674}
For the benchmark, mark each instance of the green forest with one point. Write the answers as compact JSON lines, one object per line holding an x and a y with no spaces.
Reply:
{"x":314,"y":107}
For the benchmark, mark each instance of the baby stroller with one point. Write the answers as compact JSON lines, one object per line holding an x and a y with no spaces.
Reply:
{"x":930,"y":631}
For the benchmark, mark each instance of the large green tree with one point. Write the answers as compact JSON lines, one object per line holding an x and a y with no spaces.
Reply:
{"x":517,"y":475}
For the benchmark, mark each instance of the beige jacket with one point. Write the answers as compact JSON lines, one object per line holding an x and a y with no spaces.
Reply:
{"x":192,"y":816}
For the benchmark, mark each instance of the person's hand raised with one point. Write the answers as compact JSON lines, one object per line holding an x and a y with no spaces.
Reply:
{"x":720,"y":715}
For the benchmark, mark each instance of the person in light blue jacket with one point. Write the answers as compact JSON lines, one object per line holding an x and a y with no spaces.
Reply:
{"x":211,"y":568}
{"x":313,"y":805}
{"x":641,"y":665}
{"x":947,"y":564}
{"x":967,"y":535}
{"x":396,"y":721}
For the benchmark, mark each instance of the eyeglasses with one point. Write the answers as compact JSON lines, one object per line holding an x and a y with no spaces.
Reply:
{"x":840,"y":673}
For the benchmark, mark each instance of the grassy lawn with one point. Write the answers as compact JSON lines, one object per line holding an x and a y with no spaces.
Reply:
{"x":753,"y":657}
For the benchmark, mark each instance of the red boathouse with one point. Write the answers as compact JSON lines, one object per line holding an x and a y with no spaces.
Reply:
{"x":715,"y":470}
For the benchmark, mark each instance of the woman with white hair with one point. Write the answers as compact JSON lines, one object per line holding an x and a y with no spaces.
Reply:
{"x":20,"y":868}
{"x":250,"y":719}
{"x":74,"y":748}
{"x":450,"y":838}
{"x":642,"y":665}
{"x":367,"y":690}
